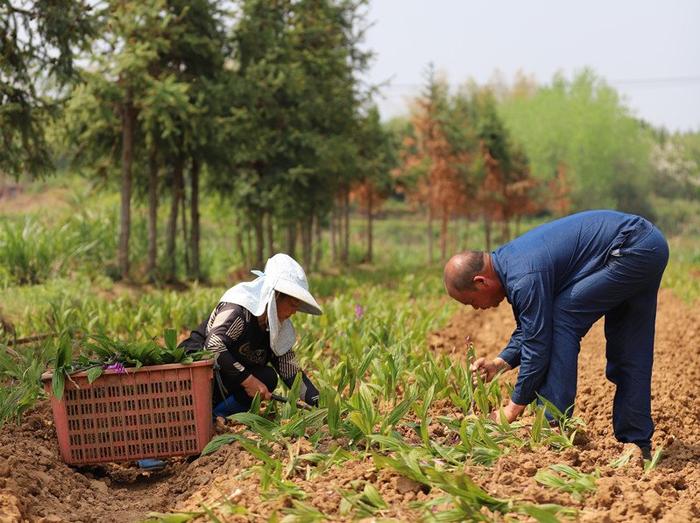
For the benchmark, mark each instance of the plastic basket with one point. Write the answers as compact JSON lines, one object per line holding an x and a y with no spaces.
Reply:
{"x":151,"y":412}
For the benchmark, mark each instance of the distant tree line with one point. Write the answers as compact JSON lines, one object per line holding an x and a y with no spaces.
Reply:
{"x":259,"y":104}
{"x":500,"y":152}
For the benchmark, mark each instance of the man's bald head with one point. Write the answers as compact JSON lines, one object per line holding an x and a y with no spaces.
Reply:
{"x":461,"y":269}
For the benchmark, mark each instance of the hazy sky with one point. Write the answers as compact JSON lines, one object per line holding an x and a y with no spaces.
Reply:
{"x":648,"y":50}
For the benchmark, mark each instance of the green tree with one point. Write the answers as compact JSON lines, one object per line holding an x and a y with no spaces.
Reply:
{"x":38,"y":41}
{"x":676,"y":165}
{"x":259,"y":118}
{"x":194,"y":58}
{"x":295,"y":114}
{"x":325,"y":39}
{"x":376,"y":158}
{"x":149,"y":100}
{"x":584,"y":125}
{"x":141,"y":33}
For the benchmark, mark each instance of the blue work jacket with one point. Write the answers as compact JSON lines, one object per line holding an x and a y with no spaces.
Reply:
{"x":535,"y":267}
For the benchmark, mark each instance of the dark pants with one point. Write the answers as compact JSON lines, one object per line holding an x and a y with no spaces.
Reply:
{"x":230,"y":380}
{"x":624,"y":290}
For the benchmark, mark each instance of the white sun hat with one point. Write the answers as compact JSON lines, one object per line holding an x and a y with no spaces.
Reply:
{"x":289,"y":278}
{"x":282,"y":274}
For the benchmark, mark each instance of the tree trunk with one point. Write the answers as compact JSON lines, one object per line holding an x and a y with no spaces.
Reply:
{"x":346,"y":227}
{"x":249,"y":243}
{"x":487,"y":232}
{"x":464,"y":245}
{"x":194,"y":208}
{"x":430,"y":235}
{"x":292,"y":239}
{"x":456,"y":232}
{"x":128,"y":122}
{"x":517,"y":225}
{"x":170,"y":244}
{"x":270,"y":235}
{"x":240,"y":244}
{"x":152,"y":215}
{"x":443,"y":234}
{"x":259,"y":239}
{"x":505,"y":230}
{"x":306,"y":241}
{"x":334,"y":230}
{"x":369,"y":225}
{"x":185,"y":239}
{"x":341,"y":228}
{"x":319,"y":244}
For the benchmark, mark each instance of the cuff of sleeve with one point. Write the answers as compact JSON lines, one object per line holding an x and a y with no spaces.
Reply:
{"x":520,"y":398}
{"x":311,"y":394}
{"x":243,"y":373}
{"x":512,"y":358}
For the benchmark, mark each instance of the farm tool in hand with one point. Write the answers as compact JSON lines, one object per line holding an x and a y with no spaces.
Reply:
{"x":282,"y":399}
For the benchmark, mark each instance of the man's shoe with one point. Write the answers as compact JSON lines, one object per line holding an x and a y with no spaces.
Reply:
{"x":646,"y":452}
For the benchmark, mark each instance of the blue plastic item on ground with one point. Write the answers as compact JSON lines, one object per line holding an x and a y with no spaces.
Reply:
{"x":151,"y":464}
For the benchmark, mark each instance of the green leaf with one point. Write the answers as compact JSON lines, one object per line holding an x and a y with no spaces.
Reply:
{"x":64,"y":352}
{"x":389,"y":443}
{"x":94,"y":373}
{"x":255,"y":404}
{"x":397,"y":413}
{"x":57,"y":383}
{"x":260,"y":454}
{"x":373,"y":496}
{"x":210,"y":514}
{"x":293,"y":395}
{"x":364,"y":364}
{"x":329,"y":398}
{"x":175,"y":517}
{"x":541,"y":513}
{"x":650,"y":464}
{"x":266,"y":428}
{"x":170,"y":337}
{"x":297,"y":427}
{"x":219,"y":441}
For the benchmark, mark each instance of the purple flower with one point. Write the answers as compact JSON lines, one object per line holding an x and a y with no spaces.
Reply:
{"x":359,"y":311}
{"x":118,"y":366}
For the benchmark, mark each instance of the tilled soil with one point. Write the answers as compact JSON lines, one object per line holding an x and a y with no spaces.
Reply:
{"x":671,"y":492}
{"x":36,"y":486}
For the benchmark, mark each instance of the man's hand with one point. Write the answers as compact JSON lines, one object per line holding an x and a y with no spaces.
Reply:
{"x":488,"y":369}
{"x":511,"y":412}
{"x":253,"y":385}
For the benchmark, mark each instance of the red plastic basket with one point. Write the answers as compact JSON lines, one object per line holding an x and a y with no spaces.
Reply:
{"x":151,"y":412}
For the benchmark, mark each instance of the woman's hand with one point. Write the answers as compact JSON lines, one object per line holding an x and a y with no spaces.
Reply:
{"x":488,"y":369}
{"x":253,"y":386}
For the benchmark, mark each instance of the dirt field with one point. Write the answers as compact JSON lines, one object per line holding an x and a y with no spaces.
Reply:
{"x":671,"y":493}
{"x":36,"y":486}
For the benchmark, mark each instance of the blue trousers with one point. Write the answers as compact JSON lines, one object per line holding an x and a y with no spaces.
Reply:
{"x":238,"y":400}
{"x":624,"y":290}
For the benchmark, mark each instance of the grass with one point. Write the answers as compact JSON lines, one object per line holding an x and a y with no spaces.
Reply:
{"x":682,"y":274}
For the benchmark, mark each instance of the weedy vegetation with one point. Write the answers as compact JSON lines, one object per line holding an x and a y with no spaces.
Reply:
{"x":568,"y":479}
{"x":380,"y":389}
{"x":387,"y":400}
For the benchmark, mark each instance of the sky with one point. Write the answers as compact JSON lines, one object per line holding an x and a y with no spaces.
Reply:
{"x":648,"y":50}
